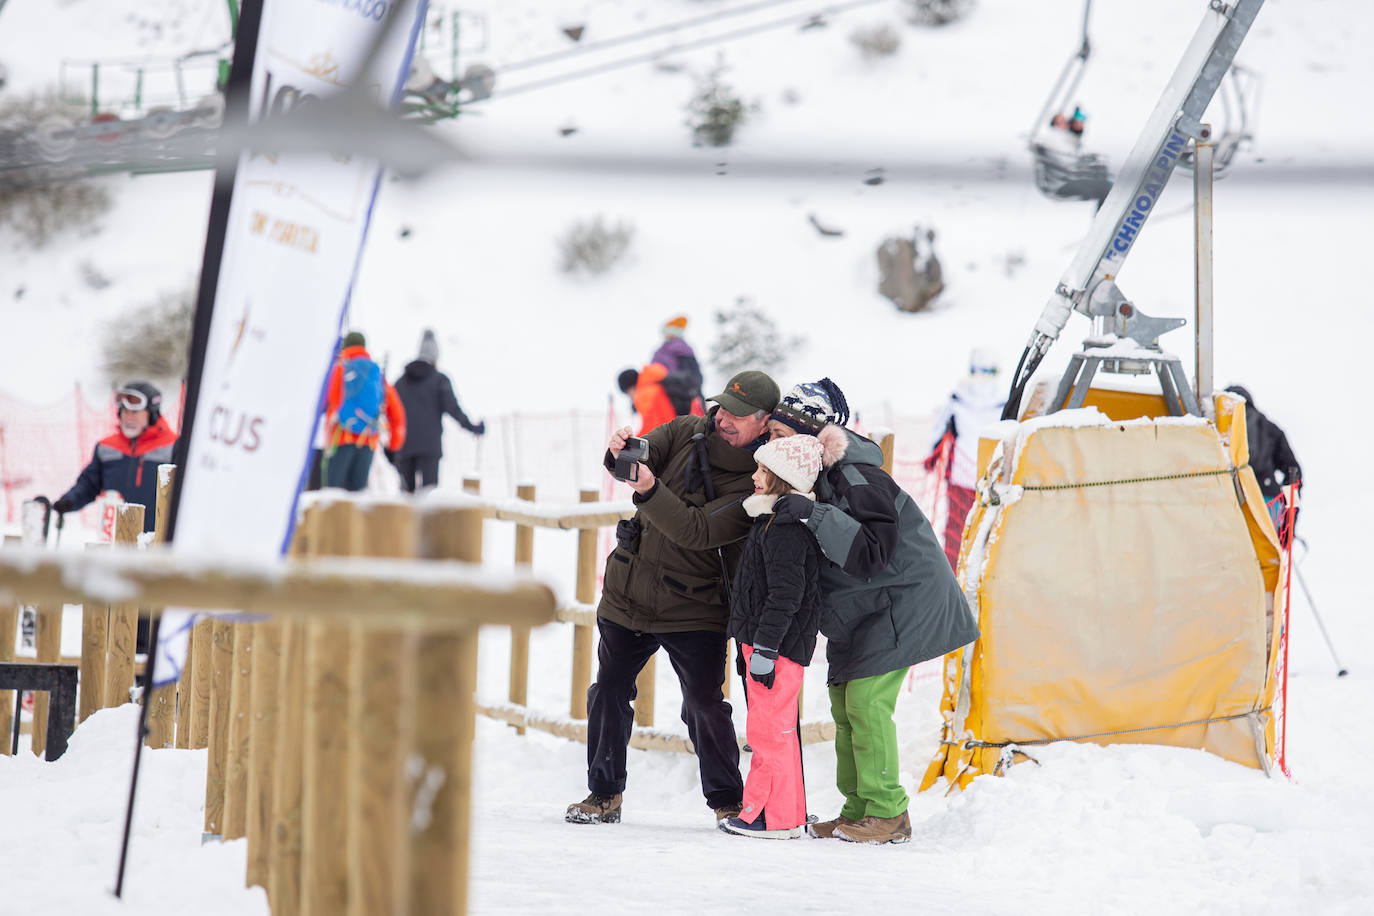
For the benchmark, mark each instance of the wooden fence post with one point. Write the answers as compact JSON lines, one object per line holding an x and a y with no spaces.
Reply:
{"x":162,"y":702}
{"x":520,"y":636}
{"x":240,"y":722}
{"x":284,"y":866}
{"x":445,"y":723}
{"x":262,"y":745}
{"x":585,"y":594}
{"x":119,"y":671}
{"x":885,"y":443}
{"x":381,"y":732}
{"x":324,"y":803}
{"x":221,"y":680}
{"x":288,"y":782}
{"x":95,"y":645}
{"x":9,"y":622}
{"x":202,"y":680}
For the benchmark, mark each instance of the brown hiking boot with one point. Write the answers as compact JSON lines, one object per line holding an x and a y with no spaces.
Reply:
{"x":723,"y":814}
{"x":875,"y":830}
{"x":595,"y":809}
{"x":825,"y":830}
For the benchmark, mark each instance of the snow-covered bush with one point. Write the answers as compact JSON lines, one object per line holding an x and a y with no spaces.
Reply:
{"x":153,"y":341}
{"x":715,"y":110}
{"x":38,"y":211}
{"x":593,"y":246}
{"x":876,"y":41}
{"x":936,"y":12}
{"x":747,"y":338}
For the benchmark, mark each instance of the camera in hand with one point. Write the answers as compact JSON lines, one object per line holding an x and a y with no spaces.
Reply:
{"x":627,"y":462}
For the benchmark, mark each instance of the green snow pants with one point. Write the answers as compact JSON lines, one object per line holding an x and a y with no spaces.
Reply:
{"x":866,"y":768}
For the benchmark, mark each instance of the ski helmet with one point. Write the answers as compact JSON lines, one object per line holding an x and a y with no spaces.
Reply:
{"x":141,"y":396}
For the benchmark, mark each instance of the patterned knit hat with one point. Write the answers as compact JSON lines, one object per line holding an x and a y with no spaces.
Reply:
{"x":808,"y":407}
{"x":796,"y":459}
{"x":674,"y":327}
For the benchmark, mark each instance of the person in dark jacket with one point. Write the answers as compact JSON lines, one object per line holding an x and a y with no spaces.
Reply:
{"x":126,"y":461}
{"x":1271,"y":458}
{"x":775,"y":611}
{"x":427,"y":394}
{"x":889,"y":601}
{"x":666,"y":585}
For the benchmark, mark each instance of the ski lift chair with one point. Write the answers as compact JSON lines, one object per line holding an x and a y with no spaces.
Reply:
{"x":1239,"y":94}
{"x":1067,"y":174}
{"x":1070,"y":176}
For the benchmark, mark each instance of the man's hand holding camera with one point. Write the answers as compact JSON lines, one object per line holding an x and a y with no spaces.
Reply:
{"x":633,"y":470}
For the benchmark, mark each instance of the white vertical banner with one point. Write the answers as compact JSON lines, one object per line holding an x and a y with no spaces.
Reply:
{"x":294,"y":233}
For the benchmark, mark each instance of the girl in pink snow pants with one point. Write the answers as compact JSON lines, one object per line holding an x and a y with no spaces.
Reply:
{"x":775,"y":611}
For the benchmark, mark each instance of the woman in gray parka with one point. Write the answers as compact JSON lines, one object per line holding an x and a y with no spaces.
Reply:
{"x":889,"y":601}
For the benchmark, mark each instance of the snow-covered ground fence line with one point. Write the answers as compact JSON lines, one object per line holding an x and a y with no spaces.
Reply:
{"x":342,"y":728}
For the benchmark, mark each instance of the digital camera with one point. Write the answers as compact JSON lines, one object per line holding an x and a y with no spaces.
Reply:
{"x":627,"y":462}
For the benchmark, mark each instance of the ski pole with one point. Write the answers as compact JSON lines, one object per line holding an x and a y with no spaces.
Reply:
{"x":61,"y":517}
{"x":1341,"y":669}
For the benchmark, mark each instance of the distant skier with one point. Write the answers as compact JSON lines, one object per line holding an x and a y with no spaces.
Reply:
{"x":356,"y":400}
{"x":126,"y":461}
{"x":977,"y":402}
{"x":427,"y":394}
{"x":659,"y":395}
{"x":678,"y":357}
{"x":1271,"y":458}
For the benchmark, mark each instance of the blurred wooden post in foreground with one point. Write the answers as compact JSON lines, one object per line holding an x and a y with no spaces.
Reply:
{"x":119,"y":671}
{"x":162,"y":702}
{"x":95,"y":646}
{"x":445,"y":723}
{"x":380,"y":733}
{"x":336,"y":531}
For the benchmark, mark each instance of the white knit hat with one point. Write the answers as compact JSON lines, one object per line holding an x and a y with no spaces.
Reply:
{"x":796,"y":459}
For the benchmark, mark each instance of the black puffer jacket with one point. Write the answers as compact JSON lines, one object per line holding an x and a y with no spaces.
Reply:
{"x":427,"y":395}
{"x":1271,"y":458}
{"x":776,"y":601}
{"x":672,"y":582}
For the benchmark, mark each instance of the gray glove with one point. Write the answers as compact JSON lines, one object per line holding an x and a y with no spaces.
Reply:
{"x":761,"y":665}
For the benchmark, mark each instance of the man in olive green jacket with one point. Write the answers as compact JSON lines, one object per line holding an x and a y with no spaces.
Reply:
{"x":665,"y":586}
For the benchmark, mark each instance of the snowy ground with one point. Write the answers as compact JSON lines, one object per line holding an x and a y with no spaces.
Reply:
{"x":1123,"y":829}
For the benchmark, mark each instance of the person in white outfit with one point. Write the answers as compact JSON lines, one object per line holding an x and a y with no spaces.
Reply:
{"x":975,"y":404}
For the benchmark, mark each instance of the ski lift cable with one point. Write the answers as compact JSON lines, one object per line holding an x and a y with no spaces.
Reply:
{"x":642,"y":34}
{"x":647,"y":57}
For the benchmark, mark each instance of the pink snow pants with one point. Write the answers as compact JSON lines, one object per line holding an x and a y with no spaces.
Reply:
{"x":775,"y":773}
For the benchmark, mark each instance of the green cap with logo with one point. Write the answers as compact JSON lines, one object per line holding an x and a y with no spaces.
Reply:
{"x":747,"y":392}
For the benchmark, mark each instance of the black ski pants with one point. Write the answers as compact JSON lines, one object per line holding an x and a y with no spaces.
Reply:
{"x":698,"y":657}
{"x":426,"y":466}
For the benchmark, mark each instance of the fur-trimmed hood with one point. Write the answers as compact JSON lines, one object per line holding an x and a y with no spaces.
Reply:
{"x":841,"y":445}
{"x":762,"y":503}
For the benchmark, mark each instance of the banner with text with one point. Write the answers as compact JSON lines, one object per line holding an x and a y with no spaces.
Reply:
{"x":292,"y":240}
